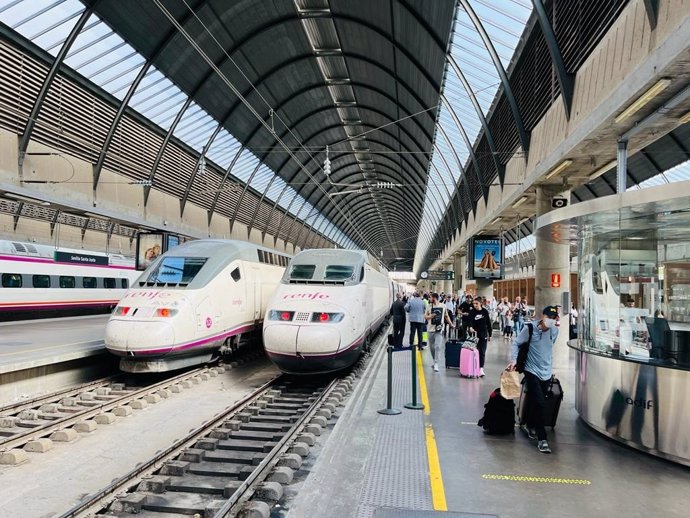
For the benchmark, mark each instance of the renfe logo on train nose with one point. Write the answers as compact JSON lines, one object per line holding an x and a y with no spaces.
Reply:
{"x":307,"y":296}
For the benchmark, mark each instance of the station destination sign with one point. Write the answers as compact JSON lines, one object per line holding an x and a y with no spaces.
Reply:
{"x":439,"y":275}
{"x":77,"y":258}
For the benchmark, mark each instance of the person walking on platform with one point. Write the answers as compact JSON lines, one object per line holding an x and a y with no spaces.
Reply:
{"x":415,"y":308}
{"x":399,"y":318}
{"x":480,"y":321}
{"x":436,"y":315}
{"x":519,"y":314}
{"x":464,"y":311}
{"x":450,"y":308}
{"x":538,"y":371}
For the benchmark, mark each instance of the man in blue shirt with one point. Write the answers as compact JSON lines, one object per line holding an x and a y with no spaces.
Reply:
{"x":538,"y":371}
{"x":416,"y":308}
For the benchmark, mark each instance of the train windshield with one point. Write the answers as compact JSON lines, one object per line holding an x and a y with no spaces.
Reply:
{"x":175,"y":270}
{"x":302,"y":272}
{"x":339,"y":272}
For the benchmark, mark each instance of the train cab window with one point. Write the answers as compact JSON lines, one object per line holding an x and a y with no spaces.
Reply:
{"x":361,"y":275}
{"x":338,"y":272}
{"x":302,"y":272}
{"x":124,"y":283}
{"x":109,"y":283}
{"x":67,"y":281}
{"x":41,"y":281}
{"x":261,"y":255}
{"x":11,"y":280}
{"x":89,"y":282}
{"x":235,"y":274}
{"x":176,"y":270}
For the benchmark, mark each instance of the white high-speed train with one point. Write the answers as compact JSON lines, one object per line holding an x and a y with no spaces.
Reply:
{"x":40,"y":281}
{"x":192,"y":302}
{"x":325,"y":311}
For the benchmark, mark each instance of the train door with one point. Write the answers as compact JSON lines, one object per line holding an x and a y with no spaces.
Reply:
{"x":257,"y":293}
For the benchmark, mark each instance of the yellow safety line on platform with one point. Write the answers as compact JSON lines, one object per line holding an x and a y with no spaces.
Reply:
{"x":540,"y":480}
{"x":422,"y":383}
{"x":438,"y":494}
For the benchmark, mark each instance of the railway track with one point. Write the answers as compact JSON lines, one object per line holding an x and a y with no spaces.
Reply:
{"x":234,"y":464}
{"x":247,"y":450}
{"x":61,"y":416}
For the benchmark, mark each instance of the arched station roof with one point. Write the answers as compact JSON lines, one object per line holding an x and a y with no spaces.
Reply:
{"x":419,"y":103}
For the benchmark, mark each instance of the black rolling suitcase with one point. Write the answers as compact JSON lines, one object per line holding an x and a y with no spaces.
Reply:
{"x":553,"y":397}
{"x":453,"y":354}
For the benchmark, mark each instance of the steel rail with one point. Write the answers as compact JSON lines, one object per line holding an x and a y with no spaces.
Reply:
{"x":14,"y":408}
{"x":16,"y":441}
{"x":100,"y":499}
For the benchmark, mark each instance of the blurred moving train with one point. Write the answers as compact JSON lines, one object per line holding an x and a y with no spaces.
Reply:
{"x":193,"y":302}
{"x":39,"y":281}
{"x":328,"y":306}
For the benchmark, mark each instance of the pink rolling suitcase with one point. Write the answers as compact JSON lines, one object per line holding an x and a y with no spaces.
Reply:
{"x":469,"y":363}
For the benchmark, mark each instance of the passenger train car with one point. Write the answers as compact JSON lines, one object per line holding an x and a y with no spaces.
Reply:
{"x":326,"y":309}
{"x":38,"y":281}
{"x":192,"y":303}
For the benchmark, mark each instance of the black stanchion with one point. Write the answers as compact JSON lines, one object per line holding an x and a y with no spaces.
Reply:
{"x":389,"y":410}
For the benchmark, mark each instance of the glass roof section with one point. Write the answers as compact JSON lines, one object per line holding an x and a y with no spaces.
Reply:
{"x":504,"y":21}
{"x":680,"y":173}
{"x":104,"y":58}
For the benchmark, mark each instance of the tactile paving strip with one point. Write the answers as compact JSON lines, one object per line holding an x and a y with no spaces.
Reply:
{"x":397,"y":474}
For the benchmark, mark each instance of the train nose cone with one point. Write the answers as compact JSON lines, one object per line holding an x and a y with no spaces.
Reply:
{"x":139,"y":338}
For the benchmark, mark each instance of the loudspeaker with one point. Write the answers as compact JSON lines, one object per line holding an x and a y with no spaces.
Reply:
{"x":558,"y":203}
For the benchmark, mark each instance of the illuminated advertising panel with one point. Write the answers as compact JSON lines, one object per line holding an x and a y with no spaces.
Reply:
{"x":487,"y":258}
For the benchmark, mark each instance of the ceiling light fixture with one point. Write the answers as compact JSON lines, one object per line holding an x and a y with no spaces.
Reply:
{"x":604,"y":168}
{"x":27,"y":199}
{"x":643,"y":100}
{"x":562,"y":166}
{"x":497,"y":220}
{"x":684,"y":118}
{"x":519,"y":202}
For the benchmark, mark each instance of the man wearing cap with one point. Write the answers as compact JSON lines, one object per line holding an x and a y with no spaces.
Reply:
{"x":538,"y":371}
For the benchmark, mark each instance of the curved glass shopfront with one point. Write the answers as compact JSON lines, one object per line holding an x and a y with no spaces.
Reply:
{"x":633,"y":361}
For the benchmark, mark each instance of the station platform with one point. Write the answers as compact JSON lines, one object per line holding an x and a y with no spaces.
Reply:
{"x":34,"y":343}
{"x":420,"y":464}
{"x":41,"y":355}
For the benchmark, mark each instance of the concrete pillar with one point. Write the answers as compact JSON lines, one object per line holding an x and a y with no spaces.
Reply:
{"x":485,"y":288}
{"x":458,"y":268}
{"x":448,"y":285}
{"x":552,"y":258}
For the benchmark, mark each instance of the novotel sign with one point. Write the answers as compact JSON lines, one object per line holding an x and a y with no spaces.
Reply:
{"x":76,"y":258}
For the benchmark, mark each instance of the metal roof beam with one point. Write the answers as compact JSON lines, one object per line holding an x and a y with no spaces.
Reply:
{"x":565,"y":80}
{"x":47,"y":83}
{"x":507,"y":89}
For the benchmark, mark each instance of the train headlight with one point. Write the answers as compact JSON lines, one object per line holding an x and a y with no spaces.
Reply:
{"x":166,"y":312}
{"x":327,"y":318}
{"x":121,"y":311}
{"x":284,"y":316}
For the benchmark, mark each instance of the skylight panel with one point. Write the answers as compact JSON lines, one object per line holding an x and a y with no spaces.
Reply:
{"x":223,"y":149}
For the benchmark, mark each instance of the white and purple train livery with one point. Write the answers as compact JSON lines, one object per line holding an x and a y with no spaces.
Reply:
{"x":327,"y":307}
{"x":192,"y":302}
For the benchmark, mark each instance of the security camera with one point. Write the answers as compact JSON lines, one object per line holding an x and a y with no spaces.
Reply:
{"x":558,"y":202}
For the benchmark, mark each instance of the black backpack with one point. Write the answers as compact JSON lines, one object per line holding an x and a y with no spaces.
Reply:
{"x":499,"y":415}
{"x":523,"y":351}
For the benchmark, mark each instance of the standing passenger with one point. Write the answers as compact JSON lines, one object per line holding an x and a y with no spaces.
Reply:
{"x":436,"y":316}
{"x":398,"y":312}
{"x":415,"y":307}
{"x":481,"y":323}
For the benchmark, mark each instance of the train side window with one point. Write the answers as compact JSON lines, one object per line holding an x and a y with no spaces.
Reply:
{"x":41,"y":281}
{"x":261,"y":255}
{"x":67,"y":281}
{"x":124,"y":283}
{"x":89,"y":282}
{"x":109,"y":283}
{"x":235,"y":274}
{"x":361,"y":275}
{"x":11,"y":280}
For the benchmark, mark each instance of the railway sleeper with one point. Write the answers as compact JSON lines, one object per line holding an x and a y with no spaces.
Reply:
{"x":274,"y":419}
{"x":251,"y":458}
{"x":243,"y":445}
{"x":217,"y":469}
{"x":255,"y":436}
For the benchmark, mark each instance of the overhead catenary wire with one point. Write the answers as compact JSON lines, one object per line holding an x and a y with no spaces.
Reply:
{"x":249,"y":106}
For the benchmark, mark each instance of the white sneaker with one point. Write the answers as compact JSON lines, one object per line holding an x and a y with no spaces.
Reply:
{"x":481,"y":372}
{"x":435,"y":367}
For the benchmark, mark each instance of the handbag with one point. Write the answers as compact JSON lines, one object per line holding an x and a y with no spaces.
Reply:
{"x":510,"y":385}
